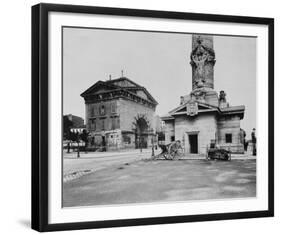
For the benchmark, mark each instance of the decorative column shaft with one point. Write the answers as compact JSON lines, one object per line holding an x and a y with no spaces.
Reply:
{"x":202,"y":61}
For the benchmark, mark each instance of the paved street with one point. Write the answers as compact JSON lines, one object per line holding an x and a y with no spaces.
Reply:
{"x":74,"y":167}
{"x":116,"y":178}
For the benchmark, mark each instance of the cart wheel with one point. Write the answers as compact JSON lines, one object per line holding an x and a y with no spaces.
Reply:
{"x":173,"y":155}
{"x":172,"y":151}
{"x":180,"y":152}
{"x":165,"y":155}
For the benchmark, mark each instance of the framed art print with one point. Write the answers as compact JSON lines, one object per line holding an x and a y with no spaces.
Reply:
{"x":149,"y":117}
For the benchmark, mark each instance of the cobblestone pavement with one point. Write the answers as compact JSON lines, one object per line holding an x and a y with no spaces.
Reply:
{"x":142,"y":181}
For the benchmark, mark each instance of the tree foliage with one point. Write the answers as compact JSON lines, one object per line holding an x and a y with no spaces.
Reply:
{"x":67,"y":124}
{"x":85,"y":136}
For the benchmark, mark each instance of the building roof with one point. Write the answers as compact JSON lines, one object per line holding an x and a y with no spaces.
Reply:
{"x":233,"y":110}
{"x":122,"y":83}
{"x":203,"y":108}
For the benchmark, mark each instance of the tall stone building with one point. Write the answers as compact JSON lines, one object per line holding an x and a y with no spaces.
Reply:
{"x":119,"y":114}
{"x":204,"y":116}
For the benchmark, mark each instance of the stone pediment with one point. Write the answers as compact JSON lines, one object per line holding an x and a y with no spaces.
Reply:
{"x":133,"y":87}
{"x":192,"y":108}
{"x":123,"y":82}
{"x":99,"y":87}
{"x":120,"y":87}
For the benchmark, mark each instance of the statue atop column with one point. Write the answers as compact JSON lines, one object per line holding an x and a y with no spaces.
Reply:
{"x":202,"y":61}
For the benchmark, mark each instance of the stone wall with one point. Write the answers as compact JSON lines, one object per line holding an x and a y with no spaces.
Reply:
{"x":95,"y":121}
{"x":128,"y":140}
{"x":204,"y":125}
{"x":212,"y":98}
{"x":116,"y":122}
{"x":230,"y":124}
{"x":129,"y":110}
{"x":169,"y":130}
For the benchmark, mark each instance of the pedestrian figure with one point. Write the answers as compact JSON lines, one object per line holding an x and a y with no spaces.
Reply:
{"x":68,"y":147}
{"x":254,"y":141}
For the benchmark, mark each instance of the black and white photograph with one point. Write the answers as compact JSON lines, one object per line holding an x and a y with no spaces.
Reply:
{"x":140,"y":117}
{"x":145,"y":117}
{"x":157,"y":117}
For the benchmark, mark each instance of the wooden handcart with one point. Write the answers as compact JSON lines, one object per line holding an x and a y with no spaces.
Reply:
{"x":171,"y":151}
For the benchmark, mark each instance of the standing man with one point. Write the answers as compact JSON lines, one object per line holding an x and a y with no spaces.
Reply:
{"x":254,"y":141}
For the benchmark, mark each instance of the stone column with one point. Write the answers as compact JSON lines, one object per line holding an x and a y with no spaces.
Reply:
{"x":202,"y":61}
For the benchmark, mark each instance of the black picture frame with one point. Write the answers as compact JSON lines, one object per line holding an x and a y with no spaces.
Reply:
{"x":40,"y":113}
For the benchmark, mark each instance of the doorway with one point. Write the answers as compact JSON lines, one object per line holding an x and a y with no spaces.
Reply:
{"x":141,"y":130}
{"x":193,"y":143}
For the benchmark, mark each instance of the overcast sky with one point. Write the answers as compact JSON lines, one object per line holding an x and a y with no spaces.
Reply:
{"x":159,"y":62}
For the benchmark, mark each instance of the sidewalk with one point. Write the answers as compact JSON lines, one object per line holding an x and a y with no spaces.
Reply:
{"x":124,"y":152}
{"x":146,"y":153}
{"x":74,"y":167}
{"x":203,"y":157}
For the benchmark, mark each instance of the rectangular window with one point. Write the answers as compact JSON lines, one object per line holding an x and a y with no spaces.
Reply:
{"x":126,"y":139}
{"x":113,"y":108}
{"x":113,"y":123}
{"x":117,"y":122}
{"x":228,"y":138}
{"x":93,"y":124}
{"x":92,"y":111}
{"x":103,"y":124}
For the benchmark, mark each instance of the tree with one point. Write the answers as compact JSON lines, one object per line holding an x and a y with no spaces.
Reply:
{"x":85,"y":137}
{"x":67,"y":124}
{"x":74,"y":136}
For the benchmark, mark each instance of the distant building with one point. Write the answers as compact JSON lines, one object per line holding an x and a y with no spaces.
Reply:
{"x":119,"y":114}
{"x":78,"y":122}
{"x":204,"y":116}
{"x":77,"y":129}
{"x":160,"y":130}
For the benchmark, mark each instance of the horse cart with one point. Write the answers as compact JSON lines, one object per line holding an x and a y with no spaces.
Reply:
{"x":171,"y":151}
{"x":218,"y":154}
